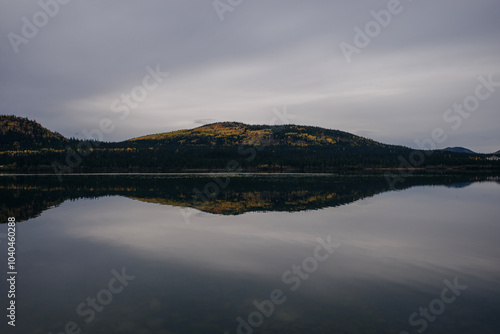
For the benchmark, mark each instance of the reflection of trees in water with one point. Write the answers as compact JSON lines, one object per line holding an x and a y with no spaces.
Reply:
{"x":25,"y":197}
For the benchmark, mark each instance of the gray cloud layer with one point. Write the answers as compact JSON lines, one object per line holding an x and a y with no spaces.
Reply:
{"x":264,"y":54}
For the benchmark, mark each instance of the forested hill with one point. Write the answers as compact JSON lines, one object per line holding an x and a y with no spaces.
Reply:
{"x":232,"y":133}
{"x":19,"y":133}
{"x":227,"y":146}
{"x":262,"y":147}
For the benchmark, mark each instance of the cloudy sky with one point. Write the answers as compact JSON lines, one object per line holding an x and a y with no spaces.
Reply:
{"x":71,"y":64}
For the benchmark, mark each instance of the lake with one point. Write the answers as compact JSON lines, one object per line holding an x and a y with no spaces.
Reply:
{"x":249,"y":253}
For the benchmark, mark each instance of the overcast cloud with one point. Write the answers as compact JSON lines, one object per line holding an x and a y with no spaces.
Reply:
{"x":262,"y":55}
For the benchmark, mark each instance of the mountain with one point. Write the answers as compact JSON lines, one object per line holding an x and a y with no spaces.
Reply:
{"x":459,"y":150}
{"x":233,"y":133}
{"x":228,"y":146}
{"x":19,"y":133}
{"x":261,"y":147}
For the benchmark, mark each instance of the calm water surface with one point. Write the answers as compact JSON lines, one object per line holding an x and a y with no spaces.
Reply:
{"x":425,"y":258}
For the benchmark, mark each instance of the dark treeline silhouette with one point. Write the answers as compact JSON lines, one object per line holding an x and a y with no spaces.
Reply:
{"x":27,"y":146}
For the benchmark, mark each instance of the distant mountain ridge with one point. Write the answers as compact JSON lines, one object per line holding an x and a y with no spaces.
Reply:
{"x":459,"y":150}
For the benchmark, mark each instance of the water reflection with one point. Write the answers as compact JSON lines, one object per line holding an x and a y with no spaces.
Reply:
{"x":199,"y":276}
{"x":26,"y":196}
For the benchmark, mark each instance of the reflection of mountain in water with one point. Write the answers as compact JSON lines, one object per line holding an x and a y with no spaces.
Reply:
{"x":25,"y":197}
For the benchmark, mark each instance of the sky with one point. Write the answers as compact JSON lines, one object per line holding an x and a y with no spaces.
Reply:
{"x":400,"y":72}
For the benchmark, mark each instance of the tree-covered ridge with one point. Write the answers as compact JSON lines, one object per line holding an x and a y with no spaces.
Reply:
{"x":27,"y":146}
{"x":20,"y":133}
{"x":232,"y":133}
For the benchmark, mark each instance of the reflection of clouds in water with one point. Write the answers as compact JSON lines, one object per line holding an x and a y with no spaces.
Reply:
{"x":211,"y":241}
{"x":405,"y":236}
{"x":397,"y":248}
